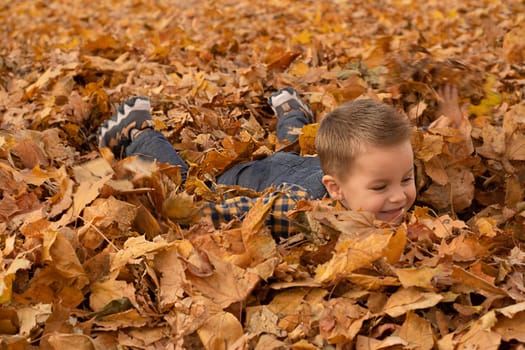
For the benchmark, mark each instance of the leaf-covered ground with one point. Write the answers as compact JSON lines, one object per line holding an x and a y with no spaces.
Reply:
{"x":98,"y":253}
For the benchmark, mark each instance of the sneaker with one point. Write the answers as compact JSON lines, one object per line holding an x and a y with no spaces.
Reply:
{"x":133,"y":116}
{"x":285,"y":100}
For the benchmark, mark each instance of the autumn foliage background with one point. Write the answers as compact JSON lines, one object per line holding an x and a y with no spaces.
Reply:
{"x":97,"y":252}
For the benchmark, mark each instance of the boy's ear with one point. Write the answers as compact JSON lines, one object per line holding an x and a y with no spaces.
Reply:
{"x":332,"y":186}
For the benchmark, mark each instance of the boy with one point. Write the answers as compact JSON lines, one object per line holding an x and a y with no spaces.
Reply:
{"x":365,"y":158}
{"x":366,"y":154}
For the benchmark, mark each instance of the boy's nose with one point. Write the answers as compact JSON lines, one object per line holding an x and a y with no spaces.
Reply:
{"x":398,"y":195}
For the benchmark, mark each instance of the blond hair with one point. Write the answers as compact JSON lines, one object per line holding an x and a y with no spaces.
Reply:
{"x":351,"y":126}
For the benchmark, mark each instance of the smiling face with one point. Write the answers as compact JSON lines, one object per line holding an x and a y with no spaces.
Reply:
{"x":380,"y":180}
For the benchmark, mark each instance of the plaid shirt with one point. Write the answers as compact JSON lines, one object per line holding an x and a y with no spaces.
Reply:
{"x":284,"y":198}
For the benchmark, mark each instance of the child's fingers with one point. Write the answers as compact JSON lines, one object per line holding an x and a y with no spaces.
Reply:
{"x":452,"y":91}
{"x":440,"y":94}
{"x":447,"y":92}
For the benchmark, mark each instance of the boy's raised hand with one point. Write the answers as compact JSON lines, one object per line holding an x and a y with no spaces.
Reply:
{"x":449,"y":112}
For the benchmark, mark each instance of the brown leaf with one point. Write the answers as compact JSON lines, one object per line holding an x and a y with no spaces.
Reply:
{"x":103,"y":64}
{"x":104,"y":292}
{"x":469,"y":281}
{"x":355,"y":250}
{"x":79,"y":108}
{"x":173,"y":282}
{"x":220,"y":331}
{"x":268,"y":341}
{"x":227,"y":285}
{"x":342,"y":320}
{"x":135,"y":248}
{"x":465,"y":248}
{"x":513,"y":45}
{"x":107,"y":219}
{"x":262,"y":320}
{"x":428,"y":146}
{"x":31,"y":315}
{"x":258,"y":242}
{"x":370,"y":282}
{"x":48,"y":286}
{"x":282,"y":62}
{"x":479,"y":333}
{"x":391,"y":342}
{"x":129,"y":318}
{"x":59,"y":253}
{"x":436,"y":171}
{"x":30,"y":153}
{"x":417,"y":332}
{"x":71,"y":341}
{"x":407,"y":299}
{"x":62,"y":200}
{"x":417,"y":276}
{"x":43,"y":80}
{"x":511,"y":328}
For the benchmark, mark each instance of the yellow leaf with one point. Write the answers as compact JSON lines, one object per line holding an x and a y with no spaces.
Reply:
{"x":396,"y":245}
{"x":307,"y":139}
{"x":6,"y":291}
{"x":353,"y":252}
{"x":436,"y":14}
{"x":492,"y":99}
{"x":303,"y":38}
{"x":486,"y":226}
{"x":259,"y":243}
{"x":7,"y":277}
{"x":181,"y":208}
{"x":159,"y":124}
{"x":299,"y":69}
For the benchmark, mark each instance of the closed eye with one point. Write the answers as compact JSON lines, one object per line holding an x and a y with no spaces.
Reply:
{"x":378,"y":188}
{"x":408,"y":179}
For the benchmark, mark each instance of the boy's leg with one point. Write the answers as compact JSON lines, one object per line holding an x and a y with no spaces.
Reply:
{"x":130,"y":132}
{"x":280,"y":167}
{"x":292,"y":113}
{"x":275,"y":170}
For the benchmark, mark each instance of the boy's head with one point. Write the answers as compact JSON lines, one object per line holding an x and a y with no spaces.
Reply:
{"x":365,"y":150}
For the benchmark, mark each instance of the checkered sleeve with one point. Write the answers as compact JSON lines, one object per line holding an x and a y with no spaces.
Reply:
{"x":284,"y":198}
{"x":229,"y":209}
{"x":278,"y":219}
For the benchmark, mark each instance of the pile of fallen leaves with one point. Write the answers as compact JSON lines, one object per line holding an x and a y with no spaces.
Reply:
{"x":97,"y":253}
